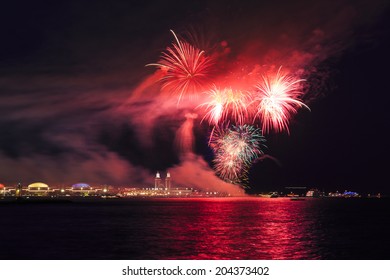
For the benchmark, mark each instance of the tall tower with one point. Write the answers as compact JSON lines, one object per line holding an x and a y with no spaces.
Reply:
{"x":19,"y":189}
{"x":157,"y":180}
{"x":168,"y":182}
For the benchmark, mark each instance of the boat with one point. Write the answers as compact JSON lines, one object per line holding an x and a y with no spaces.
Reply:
{"x":270,"y":195}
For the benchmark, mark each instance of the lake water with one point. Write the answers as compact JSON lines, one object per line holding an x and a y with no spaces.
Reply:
{"x":197,"y":228}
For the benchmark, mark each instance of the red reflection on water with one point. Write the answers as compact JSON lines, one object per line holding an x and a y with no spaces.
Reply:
{"x":244,"y":228}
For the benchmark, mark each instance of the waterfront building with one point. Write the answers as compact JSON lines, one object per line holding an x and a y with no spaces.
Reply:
{"x":168,"y":182}
{"x":313,"y":193}
{"x":346,"y":194}
{"x":157,"y":181}
{"x":350,"y":194}
{"x":37,"y":189}
{"x":81,"y":189}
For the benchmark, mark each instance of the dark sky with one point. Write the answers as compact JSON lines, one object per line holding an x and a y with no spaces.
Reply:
{"x":69,"y":68}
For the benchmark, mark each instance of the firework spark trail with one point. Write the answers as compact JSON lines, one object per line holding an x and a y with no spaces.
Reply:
{"x":235,"y":150}
{"x":277,"y":100}
{"x":224,"y":105}
{"x":186,"y":68}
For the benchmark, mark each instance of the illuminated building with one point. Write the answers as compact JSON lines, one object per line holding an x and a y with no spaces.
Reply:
{"x":313,"y":193}
{"x":81,"y":189}
{"x":157,"y":181}
{"x":182,"y":192}
{"x":38,"y":189}
{"x":42,"y":189}
{"x":346,"y":194}
{"x":350,"y":194}
{"x":168,"y":182}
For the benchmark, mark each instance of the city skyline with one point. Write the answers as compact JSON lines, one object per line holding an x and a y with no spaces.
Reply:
{"x":163,"y":181}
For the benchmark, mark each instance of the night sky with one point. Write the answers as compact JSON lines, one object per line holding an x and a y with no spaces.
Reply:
{"x":77,"y":104}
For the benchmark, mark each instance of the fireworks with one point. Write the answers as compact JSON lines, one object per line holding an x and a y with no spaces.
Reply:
{"x":235,"y":150}
{"x":186,"y":68}
{"x":230,"y":107}
{"x":226,"y":104}
{"x":277,"y":100}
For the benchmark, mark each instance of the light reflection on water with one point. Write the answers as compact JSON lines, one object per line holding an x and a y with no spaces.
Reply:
{"x":203,"y":228}
{"x":245,"y":229}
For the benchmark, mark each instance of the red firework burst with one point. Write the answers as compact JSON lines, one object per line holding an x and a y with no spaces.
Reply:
{"x":186,"y":68}
{"x":225,"y":104}
{"x":277,"y":99}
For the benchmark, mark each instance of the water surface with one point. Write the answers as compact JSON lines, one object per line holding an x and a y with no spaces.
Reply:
{"x":199,"y":228}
